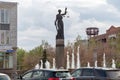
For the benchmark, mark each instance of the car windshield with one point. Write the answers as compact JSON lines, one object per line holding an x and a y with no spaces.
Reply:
{"x":2,"y":77}
{"x":63,"y":74}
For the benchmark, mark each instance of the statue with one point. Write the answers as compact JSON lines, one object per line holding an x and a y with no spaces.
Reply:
{"x":59,"y":24}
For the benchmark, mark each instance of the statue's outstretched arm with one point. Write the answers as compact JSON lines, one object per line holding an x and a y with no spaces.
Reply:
{"x":65,"y":12}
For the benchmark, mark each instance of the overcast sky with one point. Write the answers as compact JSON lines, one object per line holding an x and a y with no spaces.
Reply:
{"x":36,"y":19}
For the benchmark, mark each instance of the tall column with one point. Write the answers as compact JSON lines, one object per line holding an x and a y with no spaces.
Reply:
{"x":60,"y":53}
{"x":60,"y":39}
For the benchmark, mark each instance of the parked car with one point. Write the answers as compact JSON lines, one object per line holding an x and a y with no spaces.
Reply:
{"x":113,"y":74}
{"x":46,"y":74}
{"x":94,"y":74}
{"x":4,"y":76}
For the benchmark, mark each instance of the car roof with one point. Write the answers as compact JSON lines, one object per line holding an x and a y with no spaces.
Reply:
{"x":2,"y":74}
{"x":94,"y":68}
{"x":54,"y":70}
{"x":100,"y":68}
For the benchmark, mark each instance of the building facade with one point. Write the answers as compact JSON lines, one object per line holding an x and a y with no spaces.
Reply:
{"x":108,"y":44}
{"x":111,"y":33}
{"x":8,"y":37}
{"x":109,"y":41}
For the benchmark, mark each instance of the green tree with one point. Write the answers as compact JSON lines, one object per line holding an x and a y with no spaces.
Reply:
{"x":78,"y":41}
{"x":32,"y":57}
{"x":20,"y":58}
{"x":117,"y":43}
{"x":118,"y":50}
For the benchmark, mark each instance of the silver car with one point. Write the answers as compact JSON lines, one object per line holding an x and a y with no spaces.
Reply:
{"x":4,"y":76}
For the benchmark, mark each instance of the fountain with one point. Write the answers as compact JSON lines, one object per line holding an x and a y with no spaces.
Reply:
{"x":54,"y":63}
{"x":88,"y":64}
{"x":78,"y":58}
{"x":68,"y":61}
{"x":37,"y":66}
{"x":104,"y":61}
{"x":96,"y":63}
{"x":41,"y":66}
{"x":113,"y":63}
{"x":73,"y":61}
{"x":47,"y":64}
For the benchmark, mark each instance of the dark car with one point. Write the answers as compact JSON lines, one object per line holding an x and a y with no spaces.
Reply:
{"x":113,"y":74}
{"x":93,"y":74}
{"x":46,"y":74}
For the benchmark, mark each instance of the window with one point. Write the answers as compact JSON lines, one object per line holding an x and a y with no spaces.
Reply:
{"x":88,"y":72}
{"x":101,"y":73}
{"x":37,"y":74}
{"x":4,"y":16}
{"x":49,"y":74}
{"x":6,"y":60}
{"x":27,"y":75}
{"x":77,"y":73}
{"x":62,"y":74}
{"x":4,"y":37}
{"x":1,"y":60}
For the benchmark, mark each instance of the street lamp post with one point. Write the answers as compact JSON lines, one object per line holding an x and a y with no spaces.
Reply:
{"x":44,"y":58}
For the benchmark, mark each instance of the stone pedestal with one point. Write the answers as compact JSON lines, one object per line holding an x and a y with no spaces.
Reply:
{"x":59,"y":53}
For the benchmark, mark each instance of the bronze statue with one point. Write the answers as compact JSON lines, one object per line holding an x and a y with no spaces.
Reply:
{"x":59,"y":24}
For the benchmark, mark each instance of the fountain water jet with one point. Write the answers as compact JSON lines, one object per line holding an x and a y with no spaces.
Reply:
{"x":78,"y":58}
{"x":54,"y":63}
{"x":104,"y":61}
{"x":37,"y":66}
{"x":96,"y":63}
{"x":47,"y":64}
{"x":68,"y":61}
{"x":41,"y":66}
{"x":73,"y":61}
{"x":88,"y":64}
{"x":113,"y":63}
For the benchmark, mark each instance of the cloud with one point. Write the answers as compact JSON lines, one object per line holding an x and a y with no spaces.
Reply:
{"x":36,"y":19}
{"x":78,"y":3}
{"x":33,"y":37}
{"x":80,"y":28}
{"x":115,"y":3}
{"x":39,"y":19}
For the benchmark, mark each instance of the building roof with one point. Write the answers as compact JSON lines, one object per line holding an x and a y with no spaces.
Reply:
{"x":4,"y":4}
{"x":113,"y":29}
